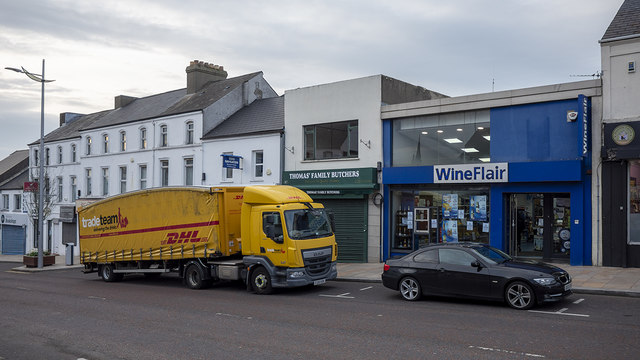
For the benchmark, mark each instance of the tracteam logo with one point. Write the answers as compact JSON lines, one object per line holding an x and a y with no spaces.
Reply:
{"x":116,"y":220}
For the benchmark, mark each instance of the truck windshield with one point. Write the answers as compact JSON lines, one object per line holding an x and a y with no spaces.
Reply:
{"x":307,"y":223}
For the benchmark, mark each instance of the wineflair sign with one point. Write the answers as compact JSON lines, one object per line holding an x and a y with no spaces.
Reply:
{"x":471,"y":173}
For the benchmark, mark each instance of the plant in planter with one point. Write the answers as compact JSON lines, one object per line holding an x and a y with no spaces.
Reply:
{"x":30,"y":259}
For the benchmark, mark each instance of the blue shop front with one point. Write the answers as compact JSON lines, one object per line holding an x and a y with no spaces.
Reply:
{"x":516,"y":177}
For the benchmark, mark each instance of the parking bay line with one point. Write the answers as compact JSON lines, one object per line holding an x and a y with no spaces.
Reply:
{"x":559,"y":312}
{"x":342,"y":296}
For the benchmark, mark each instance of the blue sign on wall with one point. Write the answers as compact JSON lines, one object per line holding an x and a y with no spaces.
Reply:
{"x":231,"y":161}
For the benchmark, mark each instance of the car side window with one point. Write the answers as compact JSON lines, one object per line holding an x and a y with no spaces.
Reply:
{"x":455,"y":257}
{"x":429,"y":256}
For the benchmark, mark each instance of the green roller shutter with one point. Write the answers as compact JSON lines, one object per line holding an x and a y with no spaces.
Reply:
{"x":351,"y":228}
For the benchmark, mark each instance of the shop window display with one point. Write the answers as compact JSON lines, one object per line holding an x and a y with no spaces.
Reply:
{"x":422,"y":217}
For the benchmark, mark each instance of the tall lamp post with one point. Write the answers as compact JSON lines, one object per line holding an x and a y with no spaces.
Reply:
{"x":39,"y":78}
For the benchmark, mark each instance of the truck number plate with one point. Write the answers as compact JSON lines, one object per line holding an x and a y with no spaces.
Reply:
{"x":319,"y":282}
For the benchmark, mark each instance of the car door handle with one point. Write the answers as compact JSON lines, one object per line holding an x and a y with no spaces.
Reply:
{"x":441,"y":270}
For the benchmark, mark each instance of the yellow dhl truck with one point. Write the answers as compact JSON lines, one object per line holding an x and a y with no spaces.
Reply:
{"x":268,"y":236}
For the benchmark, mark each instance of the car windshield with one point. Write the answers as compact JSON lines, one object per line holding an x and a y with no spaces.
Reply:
{"x":492,"y":255}
{"x":307,"y":223}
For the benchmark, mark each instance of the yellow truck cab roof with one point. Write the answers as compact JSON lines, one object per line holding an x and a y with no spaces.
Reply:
{"x":277,"y":194}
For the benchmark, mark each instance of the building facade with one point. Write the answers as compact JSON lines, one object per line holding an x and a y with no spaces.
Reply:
{"x":16,"y":223}
{"x":511,"y":169}
{"x":142,"y":143}
{"x":617,"y":148}
{"x":332,"y":150}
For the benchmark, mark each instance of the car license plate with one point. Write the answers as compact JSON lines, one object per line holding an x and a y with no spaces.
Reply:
{"x":319,"y":282}
{"x":567,"y":287}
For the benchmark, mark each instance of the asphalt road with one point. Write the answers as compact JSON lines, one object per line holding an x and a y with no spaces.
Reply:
{"x":69,"y":315}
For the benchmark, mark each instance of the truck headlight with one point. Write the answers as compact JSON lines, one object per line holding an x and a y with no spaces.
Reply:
{"x":545,"y":281}
{"x":296,"y":274}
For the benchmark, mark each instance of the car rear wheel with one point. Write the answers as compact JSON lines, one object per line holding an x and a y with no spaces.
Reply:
{"x":410,"y":289}
{"x":519,"y":295}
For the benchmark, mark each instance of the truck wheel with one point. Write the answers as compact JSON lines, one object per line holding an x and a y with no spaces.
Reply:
{"x":261,"y":281}
{"x":107,"y":274}
{"x":194,"y":278}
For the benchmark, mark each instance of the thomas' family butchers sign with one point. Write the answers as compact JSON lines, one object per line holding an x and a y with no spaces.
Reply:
{"x":471,"y":173}
{"x":335,"y":174}
{"x":363,"y":178}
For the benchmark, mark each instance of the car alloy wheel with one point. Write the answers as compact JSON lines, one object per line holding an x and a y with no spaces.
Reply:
{"x":410,"y":289}
{"x":520,"y":296}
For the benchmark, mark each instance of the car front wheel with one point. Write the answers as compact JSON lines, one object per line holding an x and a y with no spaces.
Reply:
{"x":410,"y":289}
{"x":519,"y":295}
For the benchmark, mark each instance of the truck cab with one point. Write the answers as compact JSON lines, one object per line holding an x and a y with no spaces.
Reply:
{"x":287,"y":239}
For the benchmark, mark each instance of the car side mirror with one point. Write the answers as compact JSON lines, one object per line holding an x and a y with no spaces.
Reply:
{"x":476,"y":264}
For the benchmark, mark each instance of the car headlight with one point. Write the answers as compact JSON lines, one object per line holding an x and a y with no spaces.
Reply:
{"x":545,"y":281}
{"x":296,"y":274}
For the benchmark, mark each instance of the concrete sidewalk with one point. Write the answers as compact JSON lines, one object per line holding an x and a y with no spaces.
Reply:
{"x":586,"y":279}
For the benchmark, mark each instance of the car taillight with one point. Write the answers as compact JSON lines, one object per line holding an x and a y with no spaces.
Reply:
{"x":386,"y":267}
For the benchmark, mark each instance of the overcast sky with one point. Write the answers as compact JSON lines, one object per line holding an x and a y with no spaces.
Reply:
{"x":96,"y":50}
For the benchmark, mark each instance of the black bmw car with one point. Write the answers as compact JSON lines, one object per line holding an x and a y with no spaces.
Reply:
{"x":477,"y":271}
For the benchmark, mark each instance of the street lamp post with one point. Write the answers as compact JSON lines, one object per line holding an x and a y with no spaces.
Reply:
{"x":39,"y":78}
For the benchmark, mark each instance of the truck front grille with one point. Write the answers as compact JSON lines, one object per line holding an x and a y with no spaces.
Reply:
{"x":317,"y":262}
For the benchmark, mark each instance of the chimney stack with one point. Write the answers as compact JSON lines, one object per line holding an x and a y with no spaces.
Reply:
{"x":67,"y":117}
{"x":123,"y":100}
{"x":199,"y":73}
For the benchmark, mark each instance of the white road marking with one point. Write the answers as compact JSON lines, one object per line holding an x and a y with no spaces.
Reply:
{"x":17,"y":272}
{"x":578,"y":301}
{"x":506,"y":351}
{"x":559,"y":312}
{"x":23,"y":288}
{"x":234,"y":316}
{"x":342,"y":296}
{"x":367,"y":288}
{"x":97,"y":297}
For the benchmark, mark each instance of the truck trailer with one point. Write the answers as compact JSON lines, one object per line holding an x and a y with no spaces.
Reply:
{"x":267,"y":236}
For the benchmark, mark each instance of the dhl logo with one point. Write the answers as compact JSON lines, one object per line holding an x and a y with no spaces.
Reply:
{"x":238,"y":197}
{"x":183,"y":238}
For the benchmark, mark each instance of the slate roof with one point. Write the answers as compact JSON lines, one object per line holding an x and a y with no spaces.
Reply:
{"x":16,"y":182}
{"x":72,"y":130}
{"x":626,"y":22}
{"x":260,"y":117}
{"x":158,"y":105}
{"x":12,"y":160}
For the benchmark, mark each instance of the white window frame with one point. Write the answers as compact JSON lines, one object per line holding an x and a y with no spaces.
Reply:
{"x":105,"y":181}
{"x":164,"y":172}
{"x":105,"y":143}
{"x":164,"y":135}
{"x":188,"y":170}
{"x":74,"y":187}
{"x":143,"y":179}
{"x":256,"y":165}
{"x":73,"y":153}
{"x":87,"y":177}
{"x":123,"y":179}
{"x":59,"y":154}
{"x":189,"y":132}
{"x":227,"y":173}
{"x":143,"y":138}
{"x":17,"y":202}
{"x":5,"y":201}
{"x":88,"y":143}
{"x":60,"y":188}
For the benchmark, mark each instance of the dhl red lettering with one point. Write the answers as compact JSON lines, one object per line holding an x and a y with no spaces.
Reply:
{"x":172,"y":238}
{"x":183,"y":238}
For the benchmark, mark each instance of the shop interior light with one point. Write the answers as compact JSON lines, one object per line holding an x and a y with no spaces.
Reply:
{"x":440,"y":131}
{"x":470,"y":150}
{"x":480,"y":128}
{"x":488,"y":137}
{"x":458,"y":129}
{"x":485,"y":159}
{"x":425,"y":133}
{"x":453,"y":141}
